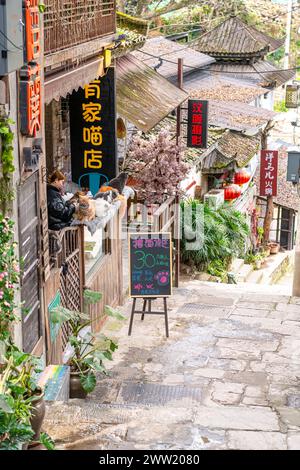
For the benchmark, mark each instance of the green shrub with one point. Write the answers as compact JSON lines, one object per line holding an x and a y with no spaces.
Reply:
{"x":280,"y":107}
{"x":223,"y":234}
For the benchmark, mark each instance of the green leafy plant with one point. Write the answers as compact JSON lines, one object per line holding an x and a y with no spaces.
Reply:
{"x":9,"y":276}
{"x":260,"y":233}
{"x":217,"y":268}
{"x":254,"y":258}
{"x":47,"y":442}
{"x":280,"y":107}
{"x":6,"y":164}
{"x":42,"y":7}
{"x":89,"y":350}
{"x":222,"y":234}
{"x":18,"y":392}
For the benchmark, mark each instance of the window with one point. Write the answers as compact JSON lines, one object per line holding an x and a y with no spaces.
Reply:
{"x":96,"y":246}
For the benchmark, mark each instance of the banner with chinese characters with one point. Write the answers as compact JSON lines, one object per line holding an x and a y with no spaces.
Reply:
{"x":268,"y":173}
{"x":197,"y":124}
{"x":30,"y":76}
{"x":150,"y":259}
{"x":93,"y":133}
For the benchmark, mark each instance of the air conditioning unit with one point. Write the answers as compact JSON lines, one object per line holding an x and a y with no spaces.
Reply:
{"x":214,"y":198}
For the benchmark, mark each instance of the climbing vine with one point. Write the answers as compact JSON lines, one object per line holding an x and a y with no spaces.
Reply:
{"x":6,"y":163}
{"x":9,"y":276}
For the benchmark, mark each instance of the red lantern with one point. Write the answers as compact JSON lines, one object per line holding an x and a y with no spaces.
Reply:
{"x":241,"y":177}
{"x":232,"y":191}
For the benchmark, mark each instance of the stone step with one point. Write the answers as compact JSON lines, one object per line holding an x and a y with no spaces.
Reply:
{"x":255,"y":277}
{"x":244,"y":272}
{"x":236,"y":265}
{"x":215,"y":289}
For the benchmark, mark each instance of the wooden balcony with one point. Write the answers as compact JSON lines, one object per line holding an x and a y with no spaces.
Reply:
{"x":69,"y":23}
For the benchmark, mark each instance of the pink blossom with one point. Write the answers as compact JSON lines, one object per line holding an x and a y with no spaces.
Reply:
{"x":1,"y":294}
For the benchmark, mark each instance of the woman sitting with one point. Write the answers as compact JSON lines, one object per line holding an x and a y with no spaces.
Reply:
{"x":60,"y":212}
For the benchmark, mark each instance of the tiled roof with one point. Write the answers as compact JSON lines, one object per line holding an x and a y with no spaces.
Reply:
{"x":170,"y":50}
{"x":235,"y":39}
{"x":232,"y":148}
{"x":191,"y":155}
{"x":224,"y":92}
{"x":238,"y":116}
{"x":143,"y":96}
{"x":262,"y":73}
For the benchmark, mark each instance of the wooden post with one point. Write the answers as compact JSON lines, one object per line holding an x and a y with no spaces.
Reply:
{"x":177,"y":218}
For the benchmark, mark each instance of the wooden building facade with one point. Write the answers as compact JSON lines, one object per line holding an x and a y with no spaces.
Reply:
{"x":65,"y":48}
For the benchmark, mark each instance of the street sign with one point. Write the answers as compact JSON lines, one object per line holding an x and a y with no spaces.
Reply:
{"x":150,"y":256}
{"x":268,"y":173}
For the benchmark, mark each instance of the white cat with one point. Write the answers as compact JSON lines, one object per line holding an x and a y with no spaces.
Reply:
{"x":101,"y":207}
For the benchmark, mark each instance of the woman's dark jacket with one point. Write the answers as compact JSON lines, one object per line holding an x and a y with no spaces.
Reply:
{"x":59,"y":211}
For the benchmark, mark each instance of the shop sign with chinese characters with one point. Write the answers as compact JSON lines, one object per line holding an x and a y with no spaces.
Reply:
{"x":30,"y":73}
{"x":268,"y":173}
{"x":93,"y":133}
{"x":197,"y":124}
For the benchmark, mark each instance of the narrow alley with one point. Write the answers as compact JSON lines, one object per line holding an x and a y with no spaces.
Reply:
{"x":227,"y":378}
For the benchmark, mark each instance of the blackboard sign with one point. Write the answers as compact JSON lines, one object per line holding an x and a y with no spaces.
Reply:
{"x":150,"y":256}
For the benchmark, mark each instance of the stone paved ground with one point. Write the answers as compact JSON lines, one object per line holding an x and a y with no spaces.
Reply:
{"x":227,"y":378}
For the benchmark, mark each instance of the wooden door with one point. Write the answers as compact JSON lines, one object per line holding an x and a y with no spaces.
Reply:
{"x":28,"y":204}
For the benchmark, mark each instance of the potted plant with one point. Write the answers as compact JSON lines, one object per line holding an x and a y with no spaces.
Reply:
{"x":87,"y":351}
{"x":274,"y":247}
{"x":260,"y":233}
{"x":254,"y":258}
{"x":17,"y":404}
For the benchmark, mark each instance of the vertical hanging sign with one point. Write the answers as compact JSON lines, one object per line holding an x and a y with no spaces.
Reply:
{"x":30,"y":76}
{"x":268,"y":173}
{"x":93,"y":133}
{"x":197,"y":124}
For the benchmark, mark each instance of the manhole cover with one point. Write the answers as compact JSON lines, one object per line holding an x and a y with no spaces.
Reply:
{"x":293,"y":401}
{"x":155,"y":394}
{"x":203,"y":308}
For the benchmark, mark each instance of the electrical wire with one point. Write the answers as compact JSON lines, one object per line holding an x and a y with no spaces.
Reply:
{"x":206,"y":67}
{"x":17,"y":47}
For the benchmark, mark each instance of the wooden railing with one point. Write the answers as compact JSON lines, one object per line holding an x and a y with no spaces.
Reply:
{"x":68,"y":23}
{"x":66,"y":254}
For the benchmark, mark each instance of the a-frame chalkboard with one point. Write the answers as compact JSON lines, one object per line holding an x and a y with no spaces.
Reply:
{"x":150,"y":260}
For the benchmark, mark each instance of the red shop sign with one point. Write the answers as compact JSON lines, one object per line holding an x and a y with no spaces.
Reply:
{"x":30,"y":76}
{"x":197,"y":124}
{"x":268,"y":173}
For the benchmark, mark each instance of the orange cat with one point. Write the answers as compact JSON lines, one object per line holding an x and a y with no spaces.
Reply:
{"x":86,"y":209}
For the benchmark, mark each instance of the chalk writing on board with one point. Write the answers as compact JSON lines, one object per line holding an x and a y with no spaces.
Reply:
{"x":150,"y":264}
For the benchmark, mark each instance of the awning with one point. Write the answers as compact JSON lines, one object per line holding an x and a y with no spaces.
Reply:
{"x":62,"y":83}
{"x":143,"y":96}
